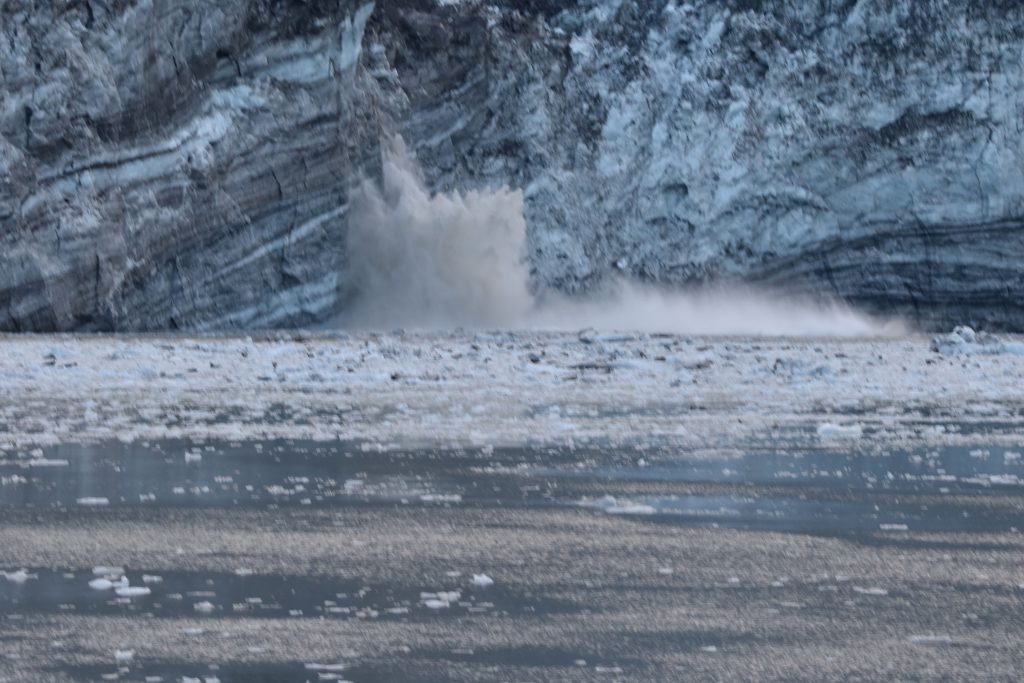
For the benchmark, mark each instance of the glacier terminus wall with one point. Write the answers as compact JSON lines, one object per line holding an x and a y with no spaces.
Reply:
{"x":188,"y":164}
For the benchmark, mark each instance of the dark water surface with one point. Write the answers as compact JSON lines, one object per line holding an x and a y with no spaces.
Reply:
{"x":800,"y":490}
{"x":836,"y":491}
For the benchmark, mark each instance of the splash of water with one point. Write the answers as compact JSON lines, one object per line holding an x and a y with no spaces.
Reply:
{"x":422,"y":260}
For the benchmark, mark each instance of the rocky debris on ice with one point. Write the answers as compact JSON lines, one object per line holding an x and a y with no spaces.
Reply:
{"x":964,"y":341}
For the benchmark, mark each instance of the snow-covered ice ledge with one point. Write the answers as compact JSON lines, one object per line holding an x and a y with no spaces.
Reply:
{"x":502,"y":388}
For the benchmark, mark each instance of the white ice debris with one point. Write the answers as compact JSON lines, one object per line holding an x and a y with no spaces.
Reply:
{"x":930,"y":640}
{"x":132,"y":591}
{"x":19,"y":576}
{"x":204,"y":607}
{"x":964,"y":341}
{"x":434,"y":603}
{"x":95,"y":501}
{"x":106,"y":584}
{"x":870,"y":591}
{"x":482,"y":580}
{"x":193,"y":456}
{"x":441,"y":498}
{"x":831,"y":430}
{"x":108,"y":571}
{"x":124,"y":656}
{"x":615,"y":506}
{"x":440,"y":599}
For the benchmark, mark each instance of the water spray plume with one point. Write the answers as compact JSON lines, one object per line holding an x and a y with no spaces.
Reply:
{"x":422,"y":260}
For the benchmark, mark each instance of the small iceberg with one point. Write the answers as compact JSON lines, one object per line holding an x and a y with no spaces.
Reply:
{"x":964,"y":341}
{"x":19,"y":576}
{"x":482,"y":580}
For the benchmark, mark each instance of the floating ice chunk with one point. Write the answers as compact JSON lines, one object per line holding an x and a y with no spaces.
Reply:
{"x":132,"y":591}
{"x":93,"y":501}
{"x":893,"y":527}
{"x":930,"y":640}
{"x":193,"y":456}
{"x":665,"y":571}
{"x":105,"y":584}
{"x":204,"y":607}
{"x":108,"y":571}
{"x":326,"y":667}
{"x":614,"y":506}
{"x":482,"y":580}
{"x":152,"y":578}
{"x":870,"y":591}
{"x":243,"y":571}
{"x":434,"y":603}
{"x":124,"y":656}
{"x":830,"y":430}
{"x":441,"y":498}
{"x":709,"y":648}
{"x":19,"y":576}
{"x":964,"y":341}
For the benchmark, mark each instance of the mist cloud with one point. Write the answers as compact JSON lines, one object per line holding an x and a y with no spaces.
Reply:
{"x":433,"y":261}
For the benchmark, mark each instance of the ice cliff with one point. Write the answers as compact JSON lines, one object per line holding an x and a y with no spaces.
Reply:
{"x":188,"y":164}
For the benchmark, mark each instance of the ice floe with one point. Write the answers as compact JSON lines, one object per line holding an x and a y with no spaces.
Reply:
{"x":964,"y":341}
{"x":19,"y":576}
{"x":831,"y":430}
{"x":93,"y":501}
{"x":482,"y":580}
{"x":616,"y":506}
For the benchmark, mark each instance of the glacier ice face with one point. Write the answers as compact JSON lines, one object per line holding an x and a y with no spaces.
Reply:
{"x":870,"y":150}
{"x":170,"y":165}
